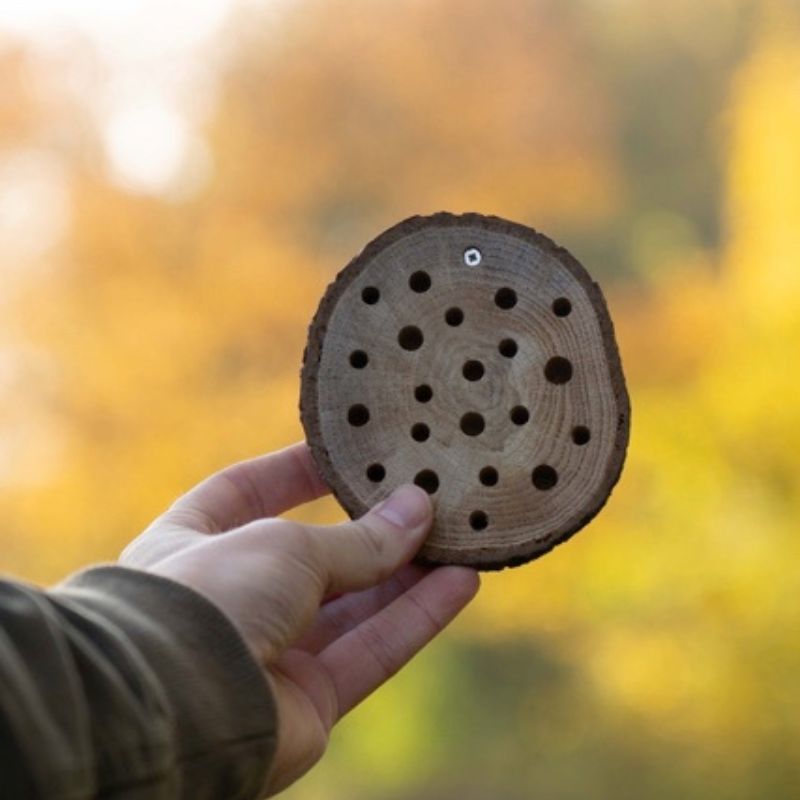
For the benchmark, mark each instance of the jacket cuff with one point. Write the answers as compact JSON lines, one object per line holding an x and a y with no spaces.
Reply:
{"x":223,"y":712}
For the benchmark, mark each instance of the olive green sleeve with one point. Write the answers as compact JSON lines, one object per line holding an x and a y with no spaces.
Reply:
{"x":122,"y":684}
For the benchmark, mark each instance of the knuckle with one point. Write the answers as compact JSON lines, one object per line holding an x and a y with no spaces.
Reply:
{"x":370,"y":540}
{"x":380,"y":649}
{"x":302,"y":549}
{"x":286,"y":541}
{"x":240,"y":478}
{"x":290,"y":537}
{"x":429,"y":622}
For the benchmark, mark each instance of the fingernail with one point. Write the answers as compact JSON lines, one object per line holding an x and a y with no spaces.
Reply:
{"x":406,"y":507}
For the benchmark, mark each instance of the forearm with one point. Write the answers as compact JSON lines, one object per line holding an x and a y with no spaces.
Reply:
{"x":118,"y":681}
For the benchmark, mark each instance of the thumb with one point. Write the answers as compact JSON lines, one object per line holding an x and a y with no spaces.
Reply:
{"x":361,"y":553}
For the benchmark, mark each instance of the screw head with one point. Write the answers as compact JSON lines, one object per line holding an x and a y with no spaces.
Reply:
{"x":472,"y":257}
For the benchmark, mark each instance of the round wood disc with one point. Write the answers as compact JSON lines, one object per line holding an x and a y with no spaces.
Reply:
{"x":476,"y":358}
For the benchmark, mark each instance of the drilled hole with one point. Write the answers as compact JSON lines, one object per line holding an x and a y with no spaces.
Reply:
{"x":473,"y":370}
{"x":423,"y":393}
{"x":507,"y":348}
{"x":488,"y":476}
{"x":505,"y":298}
{"x":519,"y":415}
{"x":410,"y":338}
{"x":420,"y":432}
{"x":376,"y":472}
{"x":558,"y":369}
{"x":562,"y":307}
{"x":544,"y":477}
{"x":359,"y":359}
{"x":454,"y":316}
{"x":581,"y":434}
{"x":420,"y":281}
{"x":370,"y":295}
{"x":472,"y":423}
{"x":358,"y":415}
{"x":428,"y":480}
{"x":478,"y":520}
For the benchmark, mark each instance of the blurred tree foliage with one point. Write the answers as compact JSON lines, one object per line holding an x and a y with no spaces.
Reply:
{"x":654,"y":656}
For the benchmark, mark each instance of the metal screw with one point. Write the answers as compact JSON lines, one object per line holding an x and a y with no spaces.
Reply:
{"x":472,"y":257}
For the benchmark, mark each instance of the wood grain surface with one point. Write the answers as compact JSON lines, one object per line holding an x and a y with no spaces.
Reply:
{"x":475,"y":357}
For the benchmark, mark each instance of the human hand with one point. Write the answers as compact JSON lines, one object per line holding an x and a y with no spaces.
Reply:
{"x":330,"y":613}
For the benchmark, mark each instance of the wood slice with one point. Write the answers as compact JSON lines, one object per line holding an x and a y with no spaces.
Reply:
{"x":476,"y":358}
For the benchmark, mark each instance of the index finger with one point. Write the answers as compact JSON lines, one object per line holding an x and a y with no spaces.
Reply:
{"x":259,"y":487}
